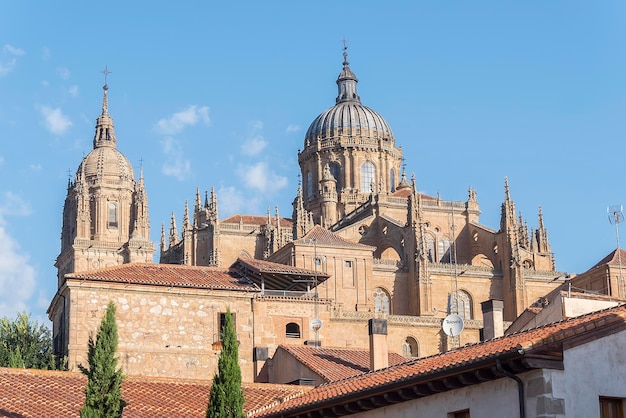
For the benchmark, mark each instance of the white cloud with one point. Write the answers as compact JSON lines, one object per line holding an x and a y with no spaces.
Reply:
{"x":55,"y":121}
{"x":255,"y":142}
{"x":13,"y":204}
{"x":231,"y":201}
{"x":63,"y":72}
{"x":260,"y":178}
{"x":73,"y":90}
{"x":176,"y":165}
{"x":17,"y":275}
{"x":46,"y":54}
{"x":7,"y":66}
{"x":180,"y":120}
{"x":18,"y":52}
{"x":1,"y":160}
{"x":45,"y":83}
{"x":36,"y":167}
{"x":292,"y":128}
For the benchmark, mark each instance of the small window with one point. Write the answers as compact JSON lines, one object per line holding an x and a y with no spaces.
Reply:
{"x":335,"y":170}
{"x":445,"y":256}
{"x":222,"y":319}
{"x":409,"y":347}
{"x":112,"y":215}
{"x":392,"y":180}
{"x":611,"y":407}
{"x":309,"y":185}
{"x":348,"y":264}
{"x":368,"y":177}
{"x":292,"y":330}
{"x":382,"y":302}
{"x":460,"y":414}
{"x":461,"y":304}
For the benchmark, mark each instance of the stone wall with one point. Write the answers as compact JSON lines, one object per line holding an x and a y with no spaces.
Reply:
{"x":162,"y":331}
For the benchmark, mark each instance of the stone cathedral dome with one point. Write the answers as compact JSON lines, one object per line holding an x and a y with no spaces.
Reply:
{"x":348,"y":118}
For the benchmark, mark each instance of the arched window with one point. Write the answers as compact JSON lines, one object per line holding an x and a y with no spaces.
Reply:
{"x":112,"y":215}
{"x":430,"y":247}
{"x":410,"y":348}
{"x":382,"y":302}
{"x":335,"y":170}
{"x":292,"y":330}
{"x":444,"y":250}
{"x":392,"y":180}
{"x":309,"y":185}
{"x":462,"y":304}
{"x":368,"y":177}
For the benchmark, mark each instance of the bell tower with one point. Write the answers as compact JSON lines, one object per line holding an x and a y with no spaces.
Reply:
{"x":105,"y":215}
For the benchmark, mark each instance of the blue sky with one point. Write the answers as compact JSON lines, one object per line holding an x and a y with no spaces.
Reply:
{"x":221,"y":94}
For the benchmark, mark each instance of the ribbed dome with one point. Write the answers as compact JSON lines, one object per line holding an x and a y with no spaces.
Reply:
{"x":107,"y":164}
{"x":348,"y":118}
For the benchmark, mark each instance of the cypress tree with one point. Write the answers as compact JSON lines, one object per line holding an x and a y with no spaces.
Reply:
{"x":226,"y":399}
{"x":103,"y":394}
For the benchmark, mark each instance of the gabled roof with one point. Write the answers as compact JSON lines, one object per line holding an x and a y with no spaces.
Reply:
{"x":44,"y":393}
{"x":533,"y":349}
{"x":334,"y":364}
{"x":612,"y":259}
{"x":277,"y":276}
{"x":324,"y":237}
{"x":168,"y":275}
{"x":255,"y":220}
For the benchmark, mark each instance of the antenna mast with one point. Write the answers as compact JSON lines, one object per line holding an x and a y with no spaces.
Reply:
{"x":616,"y":216}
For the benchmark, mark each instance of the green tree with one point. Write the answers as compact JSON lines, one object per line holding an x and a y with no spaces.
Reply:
{"x":25,"y":343}
{"x":226,"y":399}
{"x":103,"y":393}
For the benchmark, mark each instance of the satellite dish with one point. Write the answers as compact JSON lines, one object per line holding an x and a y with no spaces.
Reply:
{"x":316,"y":324}
{"x":453,"y":325}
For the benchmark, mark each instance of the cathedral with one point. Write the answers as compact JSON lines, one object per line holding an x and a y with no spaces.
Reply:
{"x":362,"y":242}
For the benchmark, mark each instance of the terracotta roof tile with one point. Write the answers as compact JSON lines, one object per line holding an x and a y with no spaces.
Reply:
{"x":325,"y":237}
{"x":256,"y":220}
{"x":424,"y":368}
{"x":43,"y":393}
{"x":336,"y":363}
{"x":263,"y":266}
{"x":168,"y":275}
{"x":611,"y":259}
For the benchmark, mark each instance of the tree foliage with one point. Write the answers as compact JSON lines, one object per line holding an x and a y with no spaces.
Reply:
{"x":226,"y":399}
{"x":103,"y":393}
{"x":25,"y":343}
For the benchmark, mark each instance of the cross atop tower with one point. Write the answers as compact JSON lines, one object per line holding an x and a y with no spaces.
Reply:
{"x":106,"y":73}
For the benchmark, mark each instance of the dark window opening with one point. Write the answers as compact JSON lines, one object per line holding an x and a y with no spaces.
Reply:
{"x":292,"y":330}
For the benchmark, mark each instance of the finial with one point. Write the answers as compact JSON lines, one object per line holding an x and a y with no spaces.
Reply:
{"x":345,"y":51}
{"x":106,"y":73}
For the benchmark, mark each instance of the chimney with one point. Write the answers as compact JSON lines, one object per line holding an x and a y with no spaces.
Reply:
{"x":379,"y":356}
{"x":493,"y":321}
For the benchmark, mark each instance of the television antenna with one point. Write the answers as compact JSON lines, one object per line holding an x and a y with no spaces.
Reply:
{"x":616,"y":216}
{"x":316,"y":323}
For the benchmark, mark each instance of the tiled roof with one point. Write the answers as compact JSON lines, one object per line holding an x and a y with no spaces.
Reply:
{"x":44,"y":393}
{"x":325,"y":237}
{"x":256,"y":220}
{"x":263,"y":266}
{"x":406,"y":192}
{"x":611,"y":259}
{"x":275,"y":276}
{"x":168,"y":275}
{"x":336,"y":363}
{"x":548,"y":337}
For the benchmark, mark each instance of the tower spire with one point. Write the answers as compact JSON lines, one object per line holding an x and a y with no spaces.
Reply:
{"x":105,"y":133}
{"x":347,"y":81}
